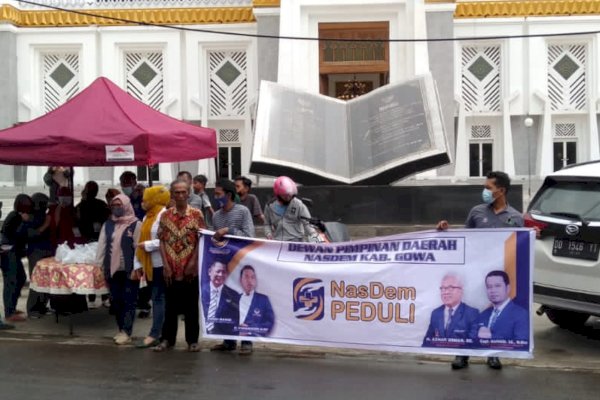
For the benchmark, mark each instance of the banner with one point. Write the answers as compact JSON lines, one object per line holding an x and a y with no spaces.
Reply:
{"x":463,"y":292}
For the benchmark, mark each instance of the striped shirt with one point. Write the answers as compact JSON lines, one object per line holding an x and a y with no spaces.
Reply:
{"x":238,"y":220}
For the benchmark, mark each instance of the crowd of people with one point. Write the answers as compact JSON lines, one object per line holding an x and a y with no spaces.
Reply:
{"x":147,"y":245}
{"x":148,"y":249}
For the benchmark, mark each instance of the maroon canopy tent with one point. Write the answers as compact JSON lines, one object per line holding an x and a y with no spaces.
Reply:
{"x":104,"y":125}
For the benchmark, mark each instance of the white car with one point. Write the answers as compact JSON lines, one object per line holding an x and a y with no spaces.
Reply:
{"x":566,"y":210}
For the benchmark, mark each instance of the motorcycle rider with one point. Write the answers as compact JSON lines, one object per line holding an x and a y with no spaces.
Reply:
{"x":286,"y":216}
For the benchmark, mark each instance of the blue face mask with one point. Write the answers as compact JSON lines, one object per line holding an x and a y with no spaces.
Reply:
{"x":221,"y":201}
{"x":487,"y":196}
{"x":279,"y":208}
{"x":118,"y":212}
{"x":127,"y":190}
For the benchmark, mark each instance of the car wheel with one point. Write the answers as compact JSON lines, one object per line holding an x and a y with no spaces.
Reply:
{"x":566,"y":319}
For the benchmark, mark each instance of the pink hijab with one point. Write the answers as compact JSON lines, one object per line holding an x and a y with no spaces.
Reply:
{"x":121,"y":223}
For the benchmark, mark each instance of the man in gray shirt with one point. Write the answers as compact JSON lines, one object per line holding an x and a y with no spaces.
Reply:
{"x":495,"y":212}
{"x":193,"y":200}
{"x":243,"y":186}
{"x":233,"y":219}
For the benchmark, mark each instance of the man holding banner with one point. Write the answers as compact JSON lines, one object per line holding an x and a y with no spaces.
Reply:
{"x":178,"y":234}
{"x":495,"y":212}
{"x":377,"y":294}
{"x":233,"y":219}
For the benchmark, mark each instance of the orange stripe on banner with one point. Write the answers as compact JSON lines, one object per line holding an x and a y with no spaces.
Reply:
{"x":299,"y":285}
{"x":510,"y":262}
{"x":241,"y":254}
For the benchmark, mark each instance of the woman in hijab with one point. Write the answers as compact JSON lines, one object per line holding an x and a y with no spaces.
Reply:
{"x":149,"y":260}
{"x":110,"y":194}
{"x":116,"y":252}
{"x":14,"y":244}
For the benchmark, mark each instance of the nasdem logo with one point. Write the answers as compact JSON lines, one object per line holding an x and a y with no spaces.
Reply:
{"x":309,"y":295}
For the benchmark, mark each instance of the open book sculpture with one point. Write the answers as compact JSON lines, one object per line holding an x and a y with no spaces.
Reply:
{"x":381,"y":137}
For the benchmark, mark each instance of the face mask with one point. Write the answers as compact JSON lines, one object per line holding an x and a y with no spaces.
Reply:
{"x":118,"y":212}
{"x":221,"y":201}
{"x":279,"y":208}
{"x":487,"y":196}
{"x":64,"y":200}
{"x":127,"y":190}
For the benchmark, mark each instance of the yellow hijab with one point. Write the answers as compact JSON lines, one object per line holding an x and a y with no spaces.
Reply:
{"x":155,"y":199}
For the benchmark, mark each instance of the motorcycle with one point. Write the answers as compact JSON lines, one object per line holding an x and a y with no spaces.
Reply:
{"x":327,"y":232}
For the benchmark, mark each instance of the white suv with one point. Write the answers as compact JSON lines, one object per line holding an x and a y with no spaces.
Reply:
{"x":566,"y":210}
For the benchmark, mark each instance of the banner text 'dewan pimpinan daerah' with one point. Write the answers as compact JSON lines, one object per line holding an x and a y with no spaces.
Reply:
{"x":425,"y":250}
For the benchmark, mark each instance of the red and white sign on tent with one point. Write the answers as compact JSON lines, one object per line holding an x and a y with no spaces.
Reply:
{"x":120,"y":153}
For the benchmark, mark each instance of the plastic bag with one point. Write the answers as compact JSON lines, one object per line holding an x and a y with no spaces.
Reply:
{"x":89,"y":253}
{"x":81,"y":254}
{"x":61,"y":251}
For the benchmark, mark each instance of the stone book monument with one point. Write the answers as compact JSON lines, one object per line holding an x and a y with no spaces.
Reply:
{"x":378,"y":138}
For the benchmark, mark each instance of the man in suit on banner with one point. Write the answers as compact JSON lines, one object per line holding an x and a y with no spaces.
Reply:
{"x":220,"y":302}
{"x":453,"y":319}
{"x":504,"y":320}
{"x":256,"y":312}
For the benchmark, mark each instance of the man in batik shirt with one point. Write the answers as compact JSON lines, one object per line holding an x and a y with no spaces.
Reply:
{"x":178,"y":234}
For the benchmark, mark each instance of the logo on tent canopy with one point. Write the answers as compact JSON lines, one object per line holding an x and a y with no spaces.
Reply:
{"x":120,"y":153}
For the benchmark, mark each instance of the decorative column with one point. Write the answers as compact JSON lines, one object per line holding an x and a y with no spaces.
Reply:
{"x":8,"y":94}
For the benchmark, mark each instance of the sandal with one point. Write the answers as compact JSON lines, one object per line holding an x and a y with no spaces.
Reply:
{"x":162,"y":346}
{"x":144,"y":344}
{"x":194,"y":348}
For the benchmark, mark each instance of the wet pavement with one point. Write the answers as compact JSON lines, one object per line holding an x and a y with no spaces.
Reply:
{"x":555,"y":348}
{"x":53,"y":370}
{"x":73,"y":357}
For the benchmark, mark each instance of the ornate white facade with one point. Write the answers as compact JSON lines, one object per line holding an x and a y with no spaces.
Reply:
{"x":488,"y":87}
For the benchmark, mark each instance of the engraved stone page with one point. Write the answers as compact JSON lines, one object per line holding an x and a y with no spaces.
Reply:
{"x":388,"y":126}
{"x":302,"y":130}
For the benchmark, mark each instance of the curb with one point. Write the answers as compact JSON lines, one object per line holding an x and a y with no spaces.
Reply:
{"x":304,"y":352}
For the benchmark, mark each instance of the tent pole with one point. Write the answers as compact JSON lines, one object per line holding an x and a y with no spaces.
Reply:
{"x":216,"y":168}
{"x":148,"y":171}
{"x":72,"y":185}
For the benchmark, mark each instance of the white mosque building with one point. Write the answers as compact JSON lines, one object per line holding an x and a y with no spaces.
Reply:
{"x":519,"y":91}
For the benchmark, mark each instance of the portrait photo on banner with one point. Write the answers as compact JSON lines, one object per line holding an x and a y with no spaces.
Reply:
{"x":486,"y":304}
{"x":230,"y":296}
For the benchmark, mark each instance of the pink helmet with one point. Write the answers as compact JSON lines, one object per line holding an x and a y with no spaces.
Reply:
{"x":284,"y":186}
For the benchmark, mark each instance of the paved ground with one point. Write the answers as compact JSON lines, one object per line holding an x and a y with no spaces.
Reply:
{"x":49,"y":371}
{"x":555,"y":348}
{"x":41,"y":360}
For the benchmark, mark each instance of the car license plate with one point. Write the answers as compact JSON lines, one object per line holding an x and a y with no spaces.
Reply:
{"x":575,"y":249}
